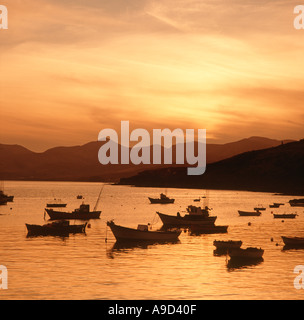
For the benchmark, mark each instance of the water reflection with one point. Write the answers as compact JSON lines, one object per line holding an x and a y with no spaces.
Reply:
{"x":234,"y":264}
{"x":128,"y":246}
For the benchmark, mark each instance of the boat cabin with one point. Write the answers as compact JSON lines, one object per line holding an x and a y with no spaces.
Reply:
{"x":193,"y":210}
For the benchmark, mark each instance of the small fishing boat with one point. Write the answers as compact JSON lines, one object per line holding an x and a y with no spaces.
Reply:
{"x":79,"y":196}
{"x":196,"y":216}
{"x":163,"y":199}
{"x":4,"y":197}
{"x":275,"y":205}
{"x":197,"y":200}
{"x":207,"y":229}
{"x":248,"y":253}
{"x":284,"y":215}
{"x":55,"y":228}
{"x":142,"y":233}
{"x":3,"y":202}
{"x":227,"y":245}
{"x":296,"y":203}
{"x":56,"y":204}
{"x":259,"y":208}
{"x":249,"y":213}
{"x":293,"y":241}
{"x":81,"y":213}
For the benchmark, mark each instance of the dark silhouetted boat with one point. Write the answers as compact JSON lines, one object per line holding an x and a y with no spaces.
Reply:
{"x":5,"y":198}
{"x":296,"y":203}
{"x":79,"y":196}
{"x":163,"y":199}
{"x":195,"y":216}
{"x":3,"y":202}
{"x":259,"y":208}
{"x":293,"y":241}
{"x":275,"y":205}
{"x":248,"y":253}
{"x":60,"y":228}
{"x":207,"y":229}
{"x":284,"y":215}
{"x":142,"y":233}
{"x":81,"y":213}
{"x":56,"y":204}
{"x":249,"y":213}
{"x":227,"y":245}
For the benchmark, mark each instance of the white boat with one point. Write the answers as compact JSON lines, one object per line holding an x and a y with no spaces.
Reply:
{"x":142,"y":233}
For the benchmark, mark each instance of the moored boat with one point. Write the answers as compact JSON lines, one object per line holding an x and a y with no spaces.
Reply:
{"x":163,"y":199}
{"x":248,"y":253}
{"x":249,"y":213}
{"x":81,"y":213}
{"x":5,"y":198}
{"x":207,"y":229}
{"x":275,"y":205}
{"x":142,"y":233}
{"x":293,"y":241}
{"x":56,"y":204}
{"x":227,"y":245}
{"x":296,"y":203}
{"x":259,"y":208}
{"x":55,"y":228}
{"x":284,"y":215}
{"x":187,"y":220}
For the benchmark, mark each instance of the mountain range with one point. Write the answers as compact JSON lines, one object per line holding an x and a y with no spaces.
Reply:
{"x":80,"y":163}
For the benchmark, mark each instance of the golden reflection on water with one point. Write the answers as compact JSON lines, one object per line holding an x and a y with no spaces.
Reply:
{"x":85,"y":266}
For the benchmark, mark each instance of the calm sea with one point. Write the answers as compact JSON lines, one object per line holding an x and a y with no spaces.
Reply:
{"x":85,"y":266}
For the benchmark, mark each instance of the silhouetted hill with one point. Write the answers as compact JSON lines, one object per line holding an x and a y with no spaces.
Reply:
{"x":80,"y":163}
{"x":278,"y":169}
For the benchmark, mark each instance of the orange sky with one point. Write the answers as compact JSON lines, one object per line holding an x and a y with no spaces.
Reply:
{"x":71,"y":68}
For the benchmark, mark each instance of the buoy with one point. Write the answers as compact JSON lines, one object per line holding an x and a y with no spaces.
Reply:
{"x":89,"y":225}
{"x":271,"y":239}
{"x":249,"y":223}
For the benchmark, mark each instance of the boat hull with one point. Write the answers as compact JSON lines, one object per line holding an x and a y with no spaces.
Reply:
{"x":129,"y":234}
{"x":249,"y":253}
{"x":285,"y":216}
{"x":293,"y":241}
{"x":34,"y":229}
{"x":227,"y":245}
{"x":56,"y":205}
{"x":186,"y":221}
{"x":249,"y":213}
{"x":207,"y":229}
{"x":297,"y":204}
{"x":58,"y":215}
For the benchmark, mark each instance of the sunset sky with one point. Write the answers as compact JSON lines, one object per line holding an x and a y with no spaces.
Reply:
{"x":70,"y":68}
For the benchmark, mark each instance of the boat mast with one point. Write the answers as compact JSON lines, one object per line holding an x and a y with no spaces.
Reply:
{"x":98,"y":198}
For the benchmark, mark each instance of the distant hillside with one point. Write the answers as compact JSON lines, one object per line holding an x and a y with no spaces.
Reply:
{"x":278,"y":169}
{"x":80,"y":163}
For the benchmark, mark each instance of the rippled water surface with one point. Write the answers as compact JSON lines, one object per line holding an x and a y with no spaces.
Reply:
{"x":85,"y":266}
